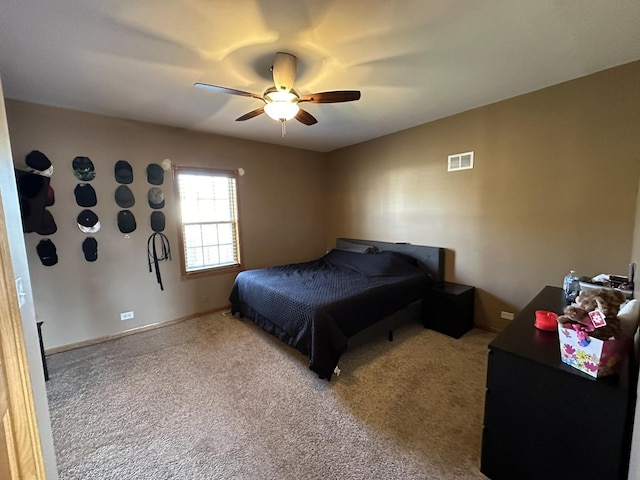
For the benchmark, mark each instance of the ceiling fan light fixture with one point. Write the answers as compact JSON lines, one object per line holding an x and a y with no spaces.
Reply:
{"x":281,"y":106}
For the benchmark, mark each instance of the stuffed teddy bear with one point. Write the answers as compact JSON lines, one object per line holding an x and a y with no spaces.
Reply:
{"x":606,"y":300}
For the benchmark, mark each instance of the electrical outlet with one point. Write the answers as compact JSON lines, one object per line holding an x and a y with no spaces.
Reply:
{"x":506,"y":315}
{"x":126,"y":315}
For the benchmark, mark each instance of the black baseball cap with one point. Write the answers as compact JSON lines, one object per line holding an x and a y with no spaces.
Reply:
{"x":126,"y":221}
{"x":39,"y":163}
{"x":157,"y":221}
{"x":85,"y":195}
{"x":47,"y":252}
{"x":124,"y":197}
{"x":155,"y":174}
{"x":47,"y":225}
{"x":30,"y":185}
{"x":83,"y":169}
{"x":123,"y":172}
{"x":90,"y":249}
{"x":88,"y":221}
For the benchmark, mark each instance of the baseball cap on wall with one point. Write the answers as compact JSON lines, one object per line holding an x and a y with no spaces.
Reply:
{"x":83,"y":169}
{"x":85,"y":195}
{"x":155,"y":174}
{"x":156,"y":198}
{"x":90,"y":249}
{"x":123,"y":172}
{"x":157,"y":221}
{"x":47,"y":225}
{"x":126,"y":221}
{"x":30,"y":185}
{"x":47,"y":252}
{"x":88,"y":221}
{"x":124,"y":197}
{"x":39,"y":163}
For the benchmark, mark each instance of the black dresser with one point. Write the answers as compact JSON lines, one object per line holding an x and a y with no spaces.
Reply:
{"x":545,"y":420}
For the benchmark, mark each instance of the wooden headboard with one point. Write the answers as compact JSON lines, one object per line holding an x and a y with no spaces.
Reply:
{"x":430,"y":259}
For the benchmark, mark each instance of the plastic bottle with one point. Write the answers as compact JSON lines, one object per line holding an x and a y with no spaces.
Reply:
{"x":571,"y":286}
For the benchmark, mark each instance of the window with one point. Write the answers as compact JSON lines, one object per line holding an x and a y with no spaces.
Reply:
{"x":208,"y":220}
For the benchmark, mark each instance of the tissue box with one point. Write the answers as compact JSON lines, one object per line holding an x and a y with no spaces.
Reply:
{"x":597,"y":358}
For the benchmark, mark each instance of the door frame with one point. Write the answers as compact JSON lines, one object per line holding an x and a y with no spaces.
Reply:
{"x":24,"y":427}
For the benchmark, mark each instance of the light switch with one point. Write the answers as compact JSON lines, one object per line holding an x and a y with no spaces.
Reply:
{"x":20,"y":291}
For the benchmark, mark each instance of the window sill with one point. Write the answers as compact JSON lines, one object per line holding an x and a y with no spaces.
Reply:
{"x":212,"y":272}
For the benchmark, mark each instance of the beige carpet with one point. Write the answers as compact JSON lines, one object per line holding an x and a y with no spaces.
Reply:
{"x":217,"y":398}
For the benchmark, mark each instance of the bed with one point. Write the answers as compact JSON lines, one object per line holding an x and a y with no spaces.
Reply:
{"x":317,"y":306}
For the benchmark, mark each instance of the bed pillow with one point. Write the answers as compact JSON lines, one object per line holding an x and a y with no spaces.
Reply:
{"x":355,"y":247}
{"x":371,"y":265}
{"x":407,"y":258}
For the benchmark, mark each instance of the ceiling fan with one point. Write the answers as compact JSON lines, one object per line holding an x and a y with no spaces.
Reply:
{"x":282,"y":101}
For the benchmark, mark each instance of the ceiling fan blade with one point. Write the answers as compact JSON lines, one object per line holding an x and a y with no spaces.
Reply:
{"x":305,"y":117}
{"x":231,"y":91}
{"x":332,"y":97}
{"x":251,"y":114}
{"x":284,"y":71}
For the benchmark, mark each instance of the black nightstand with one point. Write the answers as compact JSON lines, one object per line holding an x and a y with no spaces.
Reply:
{"x":449,"y":309}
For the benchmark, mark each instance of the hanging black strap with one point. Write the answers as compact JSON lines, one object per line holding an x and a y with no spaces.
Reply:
{"x":152,"y":253}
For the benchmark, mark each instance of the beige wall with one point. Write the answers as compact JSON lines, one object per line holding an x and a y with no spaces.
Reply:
{"x":554,"y":188}
{"x":281,"y":199}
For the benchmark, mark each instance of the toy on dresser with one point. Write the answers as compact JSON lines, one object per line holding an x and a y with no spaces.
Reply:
{"x":596,"y":312}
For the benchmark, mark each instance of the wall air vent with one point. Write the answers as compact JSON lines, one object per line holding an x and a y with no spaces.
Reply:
{"x":460,"y":161}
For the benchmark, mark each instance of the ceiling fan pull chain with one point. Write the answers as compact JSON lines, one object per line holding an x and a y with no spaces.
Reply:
{"x":284,"y":129}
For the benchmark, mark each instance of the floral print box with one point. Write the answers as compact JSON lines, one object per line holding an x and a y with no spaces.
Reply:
{"x":590,"y":355}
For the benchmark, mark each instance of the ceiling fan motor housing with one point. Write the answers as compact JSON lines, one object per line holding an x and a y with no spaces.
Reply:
{"x":284,"y":71}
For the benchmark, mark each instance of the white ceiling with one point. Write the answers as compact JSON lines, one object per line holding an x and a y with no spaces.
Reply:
{"x":413,"y":60}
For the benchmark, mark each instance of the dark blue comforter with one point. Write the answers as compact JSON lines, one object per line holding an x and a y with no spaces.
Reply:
{"x":315,"y":306}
